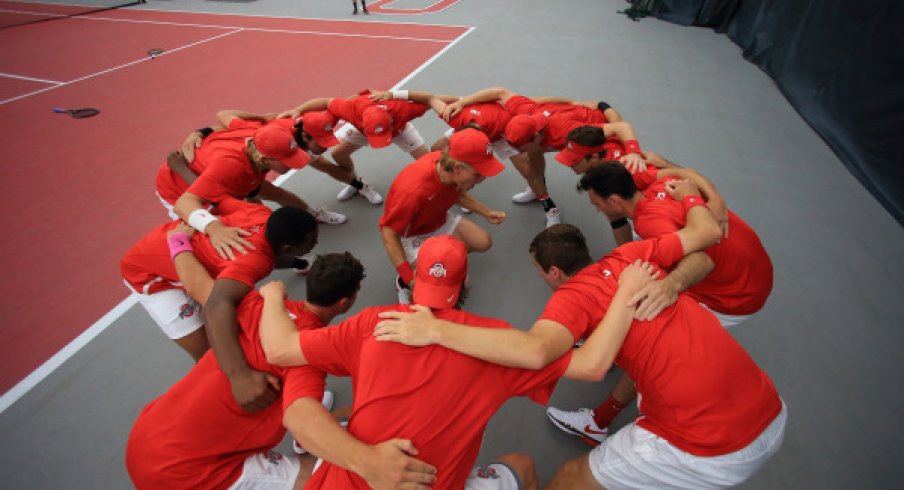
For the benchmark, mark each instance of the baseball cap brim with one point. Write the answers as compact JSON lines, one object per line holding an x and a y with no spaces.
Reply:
{"x":296,"y":161}
{"x":438,"y":296}
{"x":569,"y":157}
{"x":326,"y":140}
{"x":488,"y":167}
{"x":379,"y":140}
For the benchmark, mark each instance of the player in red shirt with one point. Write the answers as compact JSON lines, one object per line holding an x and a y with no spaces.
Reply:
{"x":148,"y":270}
{"x":439,"y":399}
{"x":196,"y":436}
{"x":711,"y":417}
{"x":419,"y":201}
{"x":368,"y":123}
{"x":234,"y":163}
{"x":537,"y":125}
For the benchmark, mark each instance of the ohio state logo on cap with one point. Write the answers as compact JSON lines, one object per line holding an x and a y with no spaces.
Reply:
{"x":437,"y":270}
{"x":327,"y":127}
{"x":570,"y":146}
{"x":293,"y":145}
{"x":489,"y":149}
{"x":378,"y":129}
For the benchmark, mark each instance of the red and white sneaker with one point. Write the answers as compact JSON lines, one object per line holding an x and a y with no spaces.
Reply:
{"x":579,"y":423}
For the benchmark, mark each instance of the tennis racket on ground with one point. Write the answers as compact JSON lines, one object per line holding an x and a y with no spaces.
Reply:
{"x":77,"y":113}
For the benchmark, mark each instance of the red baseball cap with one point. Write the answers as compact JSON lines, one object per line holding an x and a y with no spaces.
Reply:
{"x":319,"y":125}
{"x":275,"y":140}
{"x":575,"y":152}
{"x":474,"y":148}
{"x":521,"y":129}
{"x":442,"y":267}
{"x":377,"y":126}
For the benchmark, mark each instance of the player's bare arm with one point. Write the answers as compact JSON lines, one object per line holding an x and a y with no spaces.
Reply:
{"x":545,"y":342}
{"x":279,"y":336}
{"x":252,"y":389}
{"x":594,"y":359}
{"x":492,"y":94}
{"x":192,"y":274}
{"x":389,"y":464}
{"x":193,"y":210}
{"x":178,"y":163}
{"x":714,"y":200}
{"x":659,"y":295}
{"x":491,"y":215}
{"x":318,"y":104}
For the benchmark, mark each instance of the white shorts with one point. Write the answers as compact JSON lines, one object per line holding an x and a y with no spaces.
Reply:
{"x":174,"y":310}
{"x":408,"y":140}
{"x":636,"y":458}
{"x":412,"y":244}
{"x":270,"y":470}
{"x":726,"y":320}
{"x":500,"y":146}
{"x":169,"y":207}
{"x":496,"y":476}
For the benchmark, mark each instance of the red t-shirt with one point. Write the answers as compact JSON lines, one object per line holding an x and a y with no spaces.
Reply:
{"x":223,"y":168}
{"x":519,"y":104}
{"x":417,"y":201}
{"x":439,"y":399}
{"x":148,"y":268}
{"x":491,"y":117}
{"x":352,"y":111}
{"x":697,"y":387}
{"x":196,"y":436}
{"x":741,"y":282}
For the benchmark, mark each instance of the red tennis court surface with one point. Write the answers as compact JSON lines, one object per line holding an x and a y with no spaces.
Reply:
{"x":78,"y":193}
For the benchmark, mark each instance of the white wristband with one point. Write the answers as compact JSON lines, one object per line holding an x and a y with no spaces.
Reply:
{"x":399,"y":94}
{"x":200,"y":218}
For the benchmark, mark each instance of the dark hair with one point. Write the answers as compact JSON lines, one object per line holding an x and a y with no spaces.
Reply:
{"x":587,"y":135}
{"x":289,"y":226}
{"x":333,"y":277}
{"x":298,"y":135}
{"x":562,"y":246}
{"x":608,"y":178}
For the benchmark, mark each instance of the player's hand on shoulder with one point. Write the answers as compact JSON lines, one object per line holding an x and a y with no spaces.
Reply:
{"x":380,"y":95}
{"x":413,"y":328}
{"x":452,"y":109}
{"x":679,"y":189}
{"x":633,"y":162}
{"x":182,"y":228}
{"x":228,"y":239}
{"x":273,"y":289}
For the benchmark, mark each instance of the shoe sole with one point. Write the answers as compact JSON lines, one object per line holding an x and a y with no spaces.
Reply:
{"x":567,"y":428}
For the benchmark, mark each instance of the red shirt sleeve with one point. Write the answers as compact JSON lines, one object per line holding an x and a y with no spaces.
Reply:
{"x":654,"y":218}
{"x":664,"y":251}
{"x":538,"y":384}
{"x":400,"y":208}
{"x":568,"y":307}
{"x":336,"y":349}
{"x":343,"y":109}
{"x":228,"y":176}
{"x":302,"y":381}
{"x":645,"y":178}
{"x":519,"y":104}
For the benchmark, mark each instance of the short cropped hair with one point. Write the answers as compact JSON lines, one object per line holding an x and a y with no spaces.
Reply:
{"x":563,"y":246}
{"x":587,"y":135}
{"x":333,"y":277}
{"x":609,"y":178}
{"x":289,"y":226}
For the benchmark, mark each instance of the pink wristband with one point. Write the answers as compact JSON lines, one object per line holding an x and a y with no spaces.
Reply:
{"x":691,"y":201}
{"x":632,"y":146}
{"x":178,"y":243}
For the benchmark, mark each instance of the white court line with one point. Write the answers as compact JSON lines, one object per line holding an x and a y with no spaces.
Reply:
{"x":44,"y":370}
{"x":25,"y":12}
{"x":30,"y":79}
{"x":264,"y":29}
{"x":415,"y":11}
{"x":124,"y":65}
{"x":113,"y":315}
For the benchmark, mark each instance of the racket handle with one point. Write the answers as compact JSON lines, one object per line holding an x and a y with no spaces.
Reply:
{"x":59,"y":110}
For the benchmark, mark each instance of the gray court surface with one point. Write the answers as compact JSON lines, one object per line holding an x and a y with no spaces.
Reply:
{"x":830,"y":336}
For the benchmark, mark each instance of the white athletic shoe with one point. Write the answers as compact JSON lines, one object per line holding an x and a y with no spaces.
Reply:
{"x":404,"y":292}
{"x":524,"y":196}
{"x":327,"y":217}
{"x":347,"y":193}
{"x":552,"y":217}
{"x":370,"y":194}
{"x":327,"y":402}
{"x":303,"y":263}
{"x":579,"y":423}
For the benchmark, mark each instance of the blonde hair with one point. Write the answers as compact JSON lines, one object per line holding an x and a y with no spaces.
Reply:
{"x":257,"y":158}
